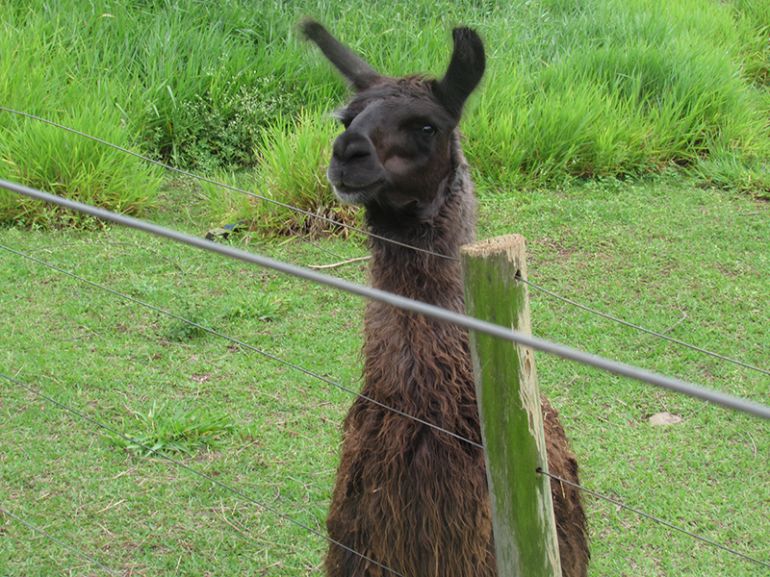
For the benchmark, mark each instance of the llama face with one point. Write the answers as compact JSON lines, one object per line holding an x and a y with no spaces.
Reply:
{"x":395,"y":151}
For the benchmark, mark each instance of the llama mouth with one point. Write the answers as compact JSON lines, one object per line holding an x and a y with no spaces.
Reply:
{"x":350,"y":195}
{"x":355,"y":194}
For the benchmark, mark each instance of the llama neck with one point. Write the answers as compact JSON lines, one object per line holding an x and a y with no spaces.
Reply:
{"x":407,"y":355}
{"x":424,"y":275}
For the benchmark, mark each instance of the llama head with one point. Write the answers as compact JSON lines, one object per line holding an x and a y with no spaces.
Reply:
{"x":396,"y":152}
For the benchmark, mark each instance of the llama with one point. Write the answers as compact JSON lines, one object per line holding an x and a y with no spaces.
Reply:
{"x":408,"y":496}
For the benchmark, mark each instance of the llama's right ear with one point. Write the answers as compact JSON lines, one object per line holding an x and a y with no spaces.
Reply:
{"x":350,"y":64}
{"x":464,"y":73}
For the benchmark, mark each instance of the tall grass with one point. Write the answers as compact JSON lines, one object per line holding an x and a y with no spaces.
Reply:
{"x":39,"y":74}
{"x":574,"y":88}
{"x":625,"y":88}
{"x":47,"y":158}
{"x":291,"y":170}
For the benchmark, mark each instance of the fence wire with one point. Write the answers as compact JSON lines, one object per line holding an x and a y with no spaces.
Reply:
{"x":369,"y":234}
{"x":63,"y":544}
{"x":658,"y":520}
{"x":640,"y":328}
{"x":432,"y":311}
{"x":162,"y":456}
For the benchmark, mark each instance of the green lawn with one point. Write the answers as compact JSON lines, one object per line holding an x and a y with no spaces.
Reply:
{"x":627,"y":140}
{"x":673,"y":257}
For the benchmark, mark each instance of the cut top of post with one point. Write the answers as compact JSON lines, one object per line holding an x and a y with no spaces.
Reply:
{"x":514,"y":246}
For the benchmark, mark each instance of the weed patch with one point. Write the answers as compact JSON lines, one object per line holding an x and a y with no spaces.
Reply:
{"x":167,"y":430}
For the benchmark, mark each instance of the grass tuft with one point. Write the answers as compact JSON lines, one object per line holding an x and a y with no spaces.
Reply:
{"x":292,"y":170}
{"x":168,"y":430}
{"x":261,"y":306}
{"x":178,"y":331}
{"x":47,"y":158}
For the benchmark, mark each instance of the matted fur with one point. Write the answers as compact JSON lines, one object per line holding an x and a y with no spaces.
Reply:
{"x":407,"y":495}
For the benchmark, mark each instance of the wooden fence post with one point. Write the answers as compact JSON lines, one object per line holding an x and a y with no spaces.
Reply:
{"x":509,"y":406}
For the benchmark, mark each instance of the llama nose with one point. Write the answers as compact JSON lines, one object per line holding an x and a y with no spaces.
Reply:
{"x":351,"y":147}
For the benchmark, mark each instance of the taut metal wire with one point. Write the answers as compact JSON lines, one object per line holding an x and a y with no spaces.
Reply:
{"x":470,"y":323}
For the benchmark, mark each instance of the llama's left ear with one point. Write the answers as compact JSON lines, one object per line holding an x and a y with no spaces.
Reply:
{"x":464,"y":73}
{"x":350,"y":64}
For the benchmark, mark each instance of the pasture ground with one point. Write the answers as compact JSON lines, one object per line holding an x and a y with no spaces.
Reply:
{"x":664,"y":253}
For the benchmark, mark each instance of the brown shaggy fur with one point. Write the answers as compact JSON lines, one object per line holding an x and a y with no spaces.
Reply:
{"x":408,"y":496}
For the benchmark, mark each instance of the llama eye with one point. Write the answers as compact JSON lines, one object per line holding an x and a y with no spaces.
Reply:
{"x":428,"y":129}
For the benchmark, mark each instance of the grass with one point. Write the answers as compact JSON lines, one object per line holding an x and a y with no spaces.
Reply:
{"x":50,"y":159}
{"x":628,"y":141}
{"x":664,"y":253}
{"x":574,"y":89}
{"x":167,"y":430}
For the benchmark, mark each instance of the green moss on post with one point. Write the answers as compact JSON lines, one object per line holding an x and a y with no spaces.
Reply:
{"x":509,"y":405}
